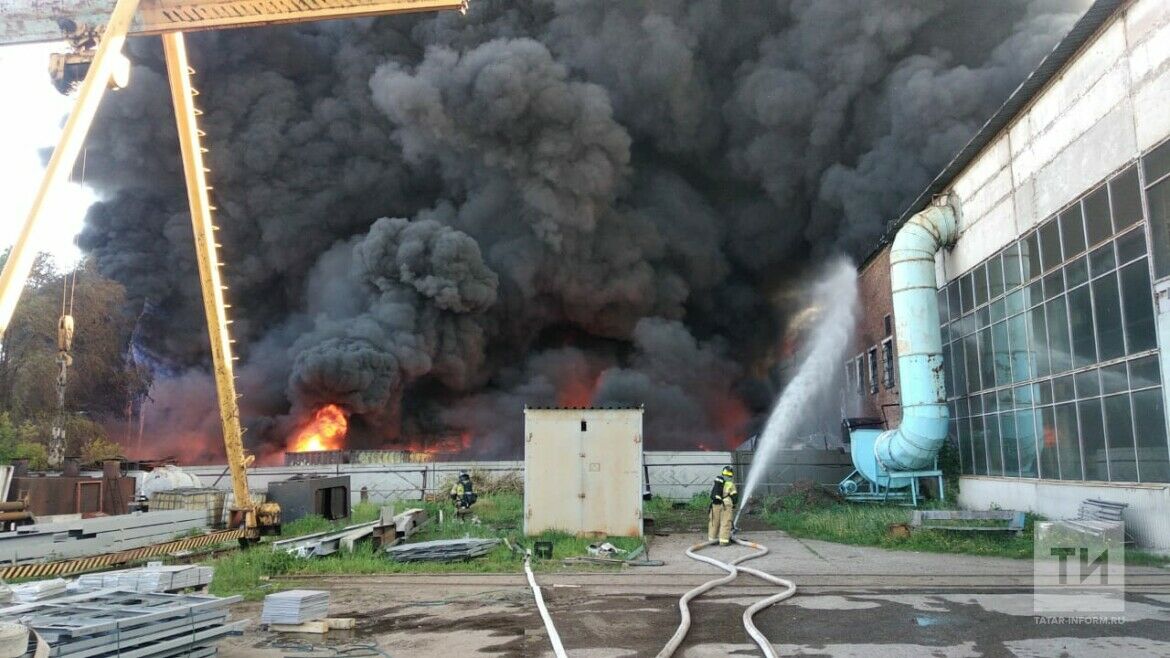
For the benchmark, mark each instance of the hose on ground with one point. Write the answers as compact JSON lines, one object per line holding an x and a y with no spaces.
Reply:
{"x":553,"y":636}
{"x":732,"y":573}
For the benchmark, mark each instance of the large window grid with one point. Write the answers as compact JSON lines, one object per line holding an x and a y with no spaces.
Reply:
{"x":1050,"y":352}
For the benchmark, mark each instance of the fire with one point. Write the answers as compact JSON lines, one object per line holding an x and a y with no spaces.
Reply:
{"x":579,"y":392}
{"x":325,"y":432}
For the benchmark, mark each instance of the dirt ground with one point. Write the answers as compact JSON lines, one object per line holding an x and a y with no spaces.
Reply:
{"x":852,"y":601}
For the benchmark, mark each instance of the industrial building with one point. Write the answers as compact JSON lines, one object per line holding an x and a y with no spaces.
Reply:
{"x":1054,"y":301}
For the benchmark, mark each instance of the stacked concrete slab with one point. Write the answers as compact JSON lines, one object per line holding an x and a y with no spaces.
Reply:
{"x":46,"y":542}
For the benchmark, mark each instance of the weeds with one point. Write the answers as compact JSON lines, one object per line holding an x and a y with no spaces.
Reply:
{"x":497,"y":516}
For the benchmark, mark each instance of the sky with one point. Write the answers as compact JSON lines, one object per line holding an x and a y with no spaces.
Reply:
{"x":31,"y":120}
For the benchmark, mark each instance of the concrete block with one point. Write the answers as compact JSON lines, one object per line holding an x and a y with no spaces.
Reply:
{"x":1152,"y":107}
{"x":1102,"y":149}
{"x":1143,"y":19}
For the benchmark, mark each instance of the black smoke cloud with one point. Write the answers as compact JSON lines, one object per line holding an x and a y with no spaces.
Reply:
{"x":572,"y":193}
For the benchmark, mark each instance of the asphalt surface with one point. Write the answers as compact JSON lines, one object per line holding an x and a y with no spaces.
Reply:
{"x":851,"y":601}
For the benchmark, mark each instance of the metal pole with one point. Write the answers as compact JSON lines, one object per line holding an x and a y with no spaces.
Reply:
{"x":20,"y":259}
{"x":182,"y":95}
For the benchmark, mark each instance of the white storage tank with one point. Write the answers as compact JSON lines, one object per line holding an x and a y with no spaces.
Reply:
{"x":583,"y":471}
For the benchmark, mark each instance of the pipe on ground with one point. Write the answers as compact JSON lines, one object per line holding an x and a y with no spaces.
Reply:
{"x":915,"y":443}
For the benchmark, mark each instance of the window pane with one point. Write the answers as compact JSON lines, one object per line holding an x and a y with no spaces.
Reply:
{"x":1101,"y":260}
{"x":1157,"y":162}
{"x":981,"y":317}
{"x":1049,"y":458}
{"x":990,"y":403}
{"x":1003,"y":360}
{"x":976,"y":405}
{"x":1015,"y":302}
{"x":1030,"y":255}
{"x":994,"y":445}
{"x":1077,"y":272}
{"x":1050,"y":254}
{"x":1039,"y":341}
{"x":963,"y":428}
{"x":998,"y":309}
{"x":1097,"y":224}
{"x":1026,"y":442}
{"x":1011,"y":267}
{"x":958,"y":362}
{"x":1143,"y":372}
{"x":1020,"y":355}
{"x":1139,"y":307}
{"x":1011,"y":453}
{"x":1067,"y":444}
{"x":1107,"y":311}
{"x":1053,"y":284}
{"x":1080,"y":320}
{"x":986,"y":359}
{"x":1072,"y":231}
{"x":1087,"y":384}
{"x":972,"y":363}
{"x":1127,"y":199}
{"x":1035,"y":292}
{"x":1113,"y":379}
{"x":1062,"y":388}
{"x":1158,"y":197}
{"x":1059,"y":346}
{"x":1119,"y":430}
{"x":1131,"y":245}
{"x":1042,"y":392}
{"x":978,"y":445}
{"x":995,"y":277}
{"x":1005,"y":399}
{"x":980,"y":285}
{"x":1093,"y":439}
{"x":953,"y":296}
{"x":1150,"y":425}
{"x":967,"y":292}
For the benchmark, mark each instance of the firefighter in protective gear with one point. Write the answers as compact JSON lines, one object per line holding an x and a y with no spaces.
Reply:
{"x":463,"y":492}
{"x":724,"y":496}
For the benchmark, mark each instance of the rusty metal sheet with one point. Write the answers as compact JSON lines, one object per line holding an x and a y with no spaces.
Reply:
{"x":30,"y":21}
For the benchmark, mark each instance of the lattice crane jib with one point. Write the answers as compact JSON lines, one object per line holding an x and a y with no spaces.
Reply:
{"x":96,"y":31}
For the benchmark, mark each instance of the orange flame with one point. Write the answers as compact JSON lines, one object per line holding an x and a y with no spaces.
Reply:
{"x":325,"y":432}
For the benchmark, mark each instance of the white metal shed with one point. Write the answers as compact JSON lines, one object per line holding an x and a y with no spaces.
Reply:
{"x":583,"y":471}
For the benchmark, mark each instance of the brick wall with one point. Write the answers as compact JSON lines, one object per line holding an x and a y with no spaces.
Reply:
{"x":876,"y":304}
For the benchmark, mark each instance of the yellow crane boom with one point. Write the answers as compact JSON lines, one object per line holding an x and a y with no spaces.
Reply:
{"x":74,"y":20}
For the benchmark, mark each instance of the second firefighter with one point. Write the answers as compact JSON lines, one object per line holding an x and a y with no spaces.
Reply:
{"x":724,"y":496}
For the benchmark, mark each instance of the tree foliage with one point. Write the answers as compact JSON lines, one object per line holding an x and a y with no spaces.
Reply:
{"x":102,"y":382}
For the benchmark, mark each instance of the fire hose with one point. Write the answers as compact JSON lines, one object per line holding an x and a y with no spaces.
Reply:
{"x":684,"y":626}
{"x":732,"y":573}
{"x":553,"y":636}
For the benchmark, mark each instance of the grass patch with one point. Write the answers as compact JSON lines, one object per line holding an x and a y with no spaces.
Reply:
{"x":867,"y":524}
{"x":499,"y":516}
{"x":678,"y":516}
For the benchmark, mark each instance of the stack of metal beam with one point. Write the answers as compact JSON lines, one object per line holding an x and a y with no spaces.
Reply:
{"x":45,"y":542}
{"x":295,"y":606}
{"x":38,"y":590}
{"x":442,"y":550}
{"x":151,"y":578}
{"x":107,"y":623}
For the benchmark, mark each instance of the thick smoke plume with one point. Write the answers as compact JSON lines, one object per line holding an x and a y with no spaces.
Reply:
{"x":581,"y":201}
